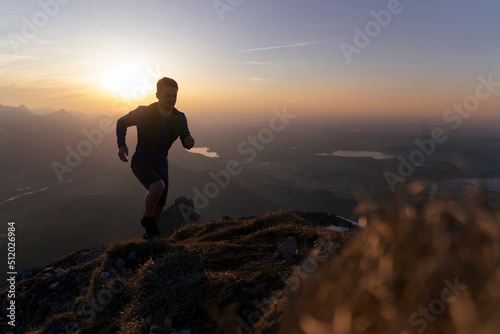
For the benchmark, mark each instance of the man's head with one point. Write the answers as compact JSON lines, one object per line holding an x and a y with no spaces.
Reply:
{"x":166,"y":82}
{"x":166,"y":92}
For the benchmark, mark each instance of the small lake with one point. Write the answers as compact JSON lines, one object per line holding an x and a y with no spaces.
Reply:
{"x":359,"y":154}
{"x":24,"y":194}
{"x":205,"y":151}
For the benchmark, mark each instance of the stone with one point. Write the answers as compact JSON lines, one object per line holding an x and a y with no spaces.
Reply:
{"x":119,"y":263}
{"x":167,"y":324}
{"x":28,"y":272}
{"x":60,"y":273}
{"x":155,"y":329}
{"x":288,"y":247}
{"x":184,"y":331}
{"x":180,"y":213}
{"x":336,"y":228}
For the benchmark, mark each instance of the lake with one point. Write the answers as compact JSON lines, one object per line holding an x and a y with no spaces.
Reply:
{"x":204,"y":151}
{"x":359,"y":154}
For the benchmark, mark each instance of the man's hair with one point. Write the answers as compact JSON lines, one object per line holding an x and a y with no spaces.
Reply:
{"x":166,"y":82}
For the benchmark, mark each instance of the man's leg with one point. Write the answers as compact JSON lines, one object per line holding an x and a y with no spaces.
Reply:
{"x":152,"y":197}
{"x":162,"y":201}
{"x":149,"y":177}
{"x":157,"y":213}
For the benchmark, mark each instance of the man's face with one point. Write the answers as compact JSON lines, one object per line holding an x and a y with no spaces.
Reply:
{"x":167,"y":96}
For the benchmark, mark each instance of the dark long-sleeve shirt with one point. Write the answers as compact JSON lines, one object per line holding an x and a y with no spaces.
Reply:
{"x":140,"y":118}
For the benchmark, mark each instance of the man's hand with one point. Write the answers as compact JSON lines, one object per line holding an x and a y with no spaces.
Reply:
{"x":189,"y":142}
{"x":123,"y":153}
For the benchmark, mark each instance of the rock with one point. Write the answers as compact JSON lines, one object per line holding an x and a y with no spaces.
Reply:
{"x":336,"y":228}
{"x":28,"y":272}
{"x":167,"y":324}
{"x":155,"y":329}
{"x":24,"y":297}
{"x":245,"y":217}
{"x":177,"y":215}
{"x":119,"y":263}
{"x":61,"y":325}
{"x":105,"y":275}
{"x":298,"y":255}
{"x":53,"y":286}
{"x":343,"y":222}
{"x":184,"y":331}
{"x":288,"y":247}
{"x":60,"y":273}
{"x":132,"y":259}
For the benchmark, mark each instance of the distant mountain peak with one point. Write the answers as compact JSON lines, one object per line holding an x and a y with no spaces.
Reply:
{"x":22,"y":106}
{"x":20,"y":110}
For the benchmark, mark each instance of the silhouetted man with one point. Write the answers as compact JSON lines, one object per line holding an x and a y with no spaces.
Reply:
{"x":158,"y":126}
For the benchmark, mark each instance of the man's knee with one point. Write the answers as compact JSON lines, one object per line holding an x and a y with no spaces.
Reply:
{"x":158,"y":187}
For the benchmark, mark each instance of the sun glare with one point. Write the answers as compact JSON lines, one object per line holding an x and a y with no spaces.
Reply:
{"x":127,"y":79}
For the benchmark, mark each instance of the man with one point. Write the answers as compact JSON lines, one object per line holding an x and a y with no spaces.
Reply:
{"x":158,"y":126}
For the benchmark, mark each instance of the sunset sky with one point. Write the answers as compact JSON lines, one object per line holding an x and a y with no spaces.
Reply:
{"x":243,"y":56}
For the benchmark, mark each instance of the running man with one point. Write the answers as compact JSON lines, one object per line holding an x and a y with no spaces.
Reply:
{"x":158,"y":126}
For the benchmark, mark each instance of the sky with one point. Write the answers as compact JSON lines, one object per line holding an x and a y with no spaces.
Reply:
{"x":314,"y":57}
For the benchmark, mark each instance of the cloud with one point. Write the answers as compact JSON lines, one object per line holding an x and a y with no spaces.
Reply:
{"x":318,"y":25}
{"x":260,"y":63}
{"x":256,"y":79}
{"x":252,"y":63}
{"x":14,"y":57}
{"x":12,"y":63}
{"x":296,"y":45}
{"x":246,"y":62}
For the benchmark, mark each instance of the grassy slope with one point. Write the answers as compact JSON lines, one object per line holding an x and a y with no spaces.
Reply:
{"x":422,"y":266}
{"x":419,"y":265}
{"x":208,"y":278}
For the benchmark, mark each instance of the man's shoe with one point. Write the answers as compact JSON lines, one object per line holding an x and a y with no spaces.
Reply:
{"x":149,"y":224}
{"x":146,"y":237}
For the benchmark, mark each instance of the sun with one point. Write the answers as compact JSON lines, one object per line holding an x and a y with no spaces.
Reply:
{"x":126,"y":78}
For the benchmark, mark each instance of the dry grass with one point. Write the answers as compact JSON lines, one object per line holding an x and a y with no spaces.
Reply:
{"x":420,"y":266}
{"x":205,"y":277}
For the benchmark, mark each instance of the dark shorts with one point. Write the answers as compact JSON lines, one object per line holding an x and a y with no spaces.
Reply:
{"x":148,"y":174}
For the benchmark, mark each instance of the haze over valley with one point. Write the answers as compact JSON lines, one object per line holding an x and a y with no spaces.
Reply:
{"x":63,"y":184}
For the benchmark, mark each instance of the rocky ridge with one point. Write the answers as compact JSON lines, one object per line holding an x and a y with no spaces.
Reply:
{"x":206,"y":277}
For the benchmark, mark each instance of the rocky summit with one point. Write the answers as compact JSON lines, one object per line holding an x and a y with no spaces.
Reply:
{"x":207,"y":277}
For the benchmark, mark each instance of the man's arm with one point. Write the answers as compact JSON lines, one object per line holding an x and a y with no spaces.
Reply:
{"x":130,"y":119}
{"x":123,"y":153}
{"x":186,"y":139}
